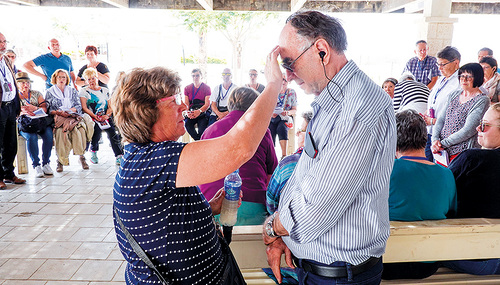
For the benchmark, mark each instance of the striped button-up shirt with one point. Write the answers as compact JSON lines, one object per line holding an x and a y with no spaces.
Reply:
{"x":335,"y":206}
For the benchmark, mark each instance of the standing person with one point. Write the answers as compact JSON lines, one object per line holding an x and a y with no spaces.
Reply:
{"x":253,"y":81}
{"x":101,"y":68}
{"x":10,"y":107}
{"x":333,"y":212}
{"x":155,"y":191}
{"x":491,"y":78}
{"x":70,"y":130}
{"x":286,"y":107}
{"x":255,"y":173}
{"x":218,"y":98}
{"x":448,"y":60}
{"x":95,"y":103}
{"x":31,"y":100}
{"x":12,"y":56}
{"x":484,"y":52}
{"x":49,"y":63}
{"x":197,"y":98}
{"x":422,"y":66}
{"x":455,"y":129}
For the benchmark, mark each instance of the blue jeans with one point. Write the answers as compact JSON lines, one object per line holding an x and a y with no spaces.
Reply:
{"x":371,"y":276}
{"x":476,"y":267}
{"x":32,"y":145}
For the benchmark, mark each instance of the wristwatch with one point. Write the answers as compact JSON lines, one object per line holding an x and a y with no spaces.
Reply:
{"x":269,"y":226}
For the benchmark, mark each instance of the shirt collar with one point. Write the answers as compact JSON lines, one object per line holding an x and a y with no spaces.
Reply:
{"x":332,"y":94}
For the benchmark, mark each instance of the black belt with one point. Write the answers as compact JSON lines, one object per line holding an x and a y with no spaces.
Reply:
{"x":335,"y":272}
{"x":7,"y":103}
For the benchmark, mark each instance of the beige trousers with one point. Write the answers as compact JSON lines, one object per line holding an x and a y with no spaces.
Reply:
{"x":76,"y":139}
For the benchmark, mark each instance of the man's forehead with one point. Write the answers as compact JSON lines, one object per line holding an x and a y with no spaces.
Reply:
{"x":288,"y":41}
{"x":2,"y":37}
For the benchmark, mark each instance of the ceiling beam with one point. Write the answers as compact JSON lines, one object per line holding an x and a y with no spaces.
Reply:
{"x":206,"y":4}
{"x":27,"y":2}
{"x":117,"y":3}
{"x":389,"y":6}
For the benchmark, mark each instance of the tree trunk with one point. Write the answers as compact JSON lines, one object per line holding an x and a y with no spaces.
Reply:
{"x":202,"y":55}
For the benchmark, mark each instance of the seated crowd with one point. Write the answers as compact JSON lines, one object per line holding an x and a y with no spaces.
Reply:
{"x":448,"y":141}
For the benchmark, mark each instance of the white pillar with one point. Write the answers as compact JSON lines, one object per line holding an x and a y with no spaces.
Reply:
{"x":437,"y":26}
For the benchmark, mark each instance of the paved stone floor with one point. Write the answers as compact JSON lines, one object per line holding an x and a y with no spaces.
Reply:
{"x":59,"y":229}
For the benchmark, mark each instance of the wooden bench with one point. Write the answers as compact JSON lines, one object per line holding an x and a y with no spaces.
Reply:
{"x":451,"y":239}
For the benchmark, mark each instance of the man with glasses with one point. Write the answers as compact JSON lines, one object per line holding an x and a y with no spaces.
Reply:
{"x":448,"y":62}
{"x":253,"y":81}
{"x":51,"y":62}
{"x":333,"y":211}
{"x":423,"y":66}
{"x":197,"y":98}
{"x":10,"y":107}
{"x":218,"y":98}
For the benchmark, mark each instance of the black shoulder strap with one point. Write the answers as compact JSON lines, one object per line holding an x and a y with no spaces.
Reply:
{"x":138,"y":249}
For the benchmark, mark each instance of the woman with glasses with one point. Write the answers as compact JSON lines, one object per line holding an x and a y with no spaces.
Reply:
{"x":285,"y":108}
{"x":478,"y":190}
{"x":455,"y":129}
{"x":491,"y":78}
{"x":155,"y":193}
{"x":197,"y":98}
{"x":253,"y":81}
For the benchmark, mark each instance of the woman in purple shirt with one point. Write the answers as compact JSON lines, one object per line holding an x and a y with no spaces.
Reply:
{"x":256,"y":172}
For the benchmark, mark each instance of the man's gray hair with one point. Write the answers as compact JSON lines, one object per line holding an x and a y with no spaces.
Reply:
{"x":449,"y":53}
{"x":314,"y":25}
{"x":241,"y":99}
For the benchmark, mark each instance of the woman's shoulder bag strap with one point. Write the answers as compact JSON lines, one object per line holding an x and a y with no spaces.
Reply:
{"x":139,"y":251}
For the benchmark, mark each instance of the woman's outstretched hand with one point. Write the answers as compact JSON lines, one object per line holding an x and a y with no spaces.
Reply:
{"x":216,"y":201}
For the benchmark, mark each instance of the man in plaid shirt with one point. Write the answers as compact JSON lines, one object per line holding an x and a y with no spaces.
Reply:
{"x":423,"y":67}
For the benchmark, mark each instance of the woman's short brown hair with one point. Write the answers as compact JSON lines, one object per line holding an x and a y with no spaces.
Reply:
{"x":53,"y":78}
{"x":134,"y":103}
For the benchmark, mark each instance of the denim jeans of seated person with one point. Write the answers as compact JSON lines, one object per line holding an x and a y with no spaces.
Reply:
{"x":476,"y":267}
{"x":371,"y":276}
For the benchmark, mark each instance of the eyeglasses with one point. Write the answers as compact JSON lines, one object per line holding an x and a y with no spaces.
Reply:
{"x":253,"y":74}
{"x":289,"y":65}
{"x":444,"y":64}
{"x":483,"y":125}
{"x":11,"y":56}
{"x":176,"y":97}
{"x":4,"y":42}
{"x":466,"y":77}
{"x":226,"y":74}
{"x":195,"y":75}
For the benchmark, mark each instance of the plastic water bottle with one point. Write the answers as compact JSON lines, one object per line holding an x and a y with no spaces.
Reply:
{"x":229,"y":211}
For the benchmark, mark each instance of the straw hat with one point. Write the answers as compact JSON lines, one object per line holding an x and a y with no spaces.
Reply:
{"x":23,"y":77}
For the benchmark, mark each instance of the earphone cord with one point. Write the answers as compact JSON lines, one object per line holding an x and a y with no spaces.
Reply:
{"x":330,"y":80}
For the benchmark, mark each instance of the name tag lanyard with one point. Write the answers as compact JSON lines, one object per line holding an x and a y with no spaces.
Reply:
{"x":6,"y":85}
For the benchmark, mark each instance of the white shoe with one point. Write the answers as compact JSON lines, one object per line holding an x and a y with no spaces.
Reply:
{"x":47,"y":170}
{"x":39,"y":171}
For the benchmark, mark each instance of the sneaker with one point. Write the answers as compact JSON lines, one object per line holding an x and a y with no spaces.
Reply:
{"x":47,"y":170}
{"x":39,"y":171}
{"x":83,"y":162}
{"x":119,"y":159}
{"x":93,"y":157}
{"x":59,"y":167}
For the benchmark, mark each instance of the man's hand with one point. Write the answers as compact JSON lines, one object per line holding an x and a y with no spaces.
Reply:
{"x":274,"y":252}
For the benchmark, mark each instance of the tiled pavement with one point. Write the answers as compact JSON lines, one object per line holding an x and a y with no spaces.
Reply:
{"x":59,"y":230}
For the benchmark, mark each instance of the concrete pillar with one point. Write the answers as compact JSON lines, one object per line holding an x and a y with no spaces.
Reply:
{"x":437,"y":26}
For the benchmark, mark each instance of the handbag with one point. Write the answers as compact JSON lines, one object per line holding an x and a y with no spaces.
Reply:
{"x":231,"y":276}
{"x":31,"y":125}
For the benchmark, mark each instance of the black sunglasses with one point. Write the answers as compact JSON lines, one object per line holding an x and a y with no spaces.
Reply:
{"x":289,"y":66}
